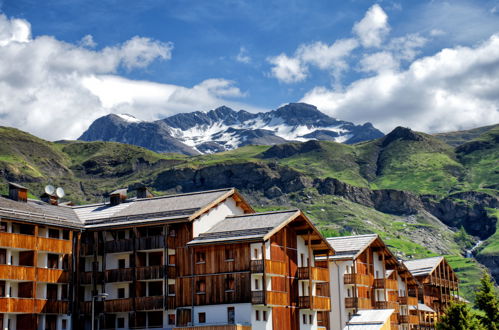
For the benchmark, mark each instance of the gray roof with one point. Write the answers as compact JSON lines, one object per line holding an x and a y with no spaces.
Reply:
{"x":171,"y":207}
{"x":421,"y":267}
{"x":423,"y":308}
{"x":348,"y":247}
{"x":39,"y":212}
{"x":245,"y":227}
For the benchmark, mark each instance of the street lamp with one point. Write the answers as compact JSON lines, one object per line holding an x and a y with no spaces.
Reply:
{"x":99,"y":295}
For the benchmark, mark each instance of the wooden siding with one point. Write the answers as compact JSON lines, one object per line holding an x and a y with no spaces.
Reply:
{"x":54,"y":245}
{"x":18,"y":241}
{"x":30,"y":305}
{"x":361,"y":279}
{"x":52,"y":275}
{"x":317,"y":274}
{"x":19,"y":273}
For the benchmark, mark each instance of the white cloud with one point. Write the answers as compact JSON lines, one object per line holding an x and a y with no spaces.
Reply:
{"x":378,"y":62}
{"x":373,"y":28}
{"x":453,"y":89}
{"x":55,"y":89}
{"x":88,"y":41}
{"x":288,"y":69}
{"x":243,"y":56}
{"x":407,"y":47}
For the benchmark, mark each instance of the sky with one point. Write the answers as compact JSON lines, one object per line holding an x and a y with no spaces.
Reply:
{"x":431,"y":65}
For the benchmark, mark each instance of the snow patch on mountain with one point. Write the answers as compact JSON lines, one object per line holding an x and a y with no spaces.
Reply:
{"x":128,"y":118}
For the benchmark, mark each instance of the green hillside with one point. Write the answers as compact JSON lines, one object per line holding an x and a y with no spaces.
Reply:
{"x":298,"y":175}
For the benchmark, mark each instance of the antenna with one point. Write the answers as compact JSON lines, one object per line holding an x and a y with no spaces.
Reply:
{"x":49,"y":190}
{"x":59,"y":192}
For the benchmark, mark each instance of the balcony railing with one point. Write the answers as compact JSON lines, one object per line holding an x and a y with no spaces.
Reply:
{"x":382,"y":283}
{"x":386,"y":305}
{"x":19,"y":241}
{"x":408,"y":319}
{"x":150,"y":272}
{"x":364,"y":303}
{"x":408,"y":300}
{"x":86,"y":277}
{"x":31,"y":305}
{"x":361,"y":279}
{"x":52,"y":275}
{"x":21,"y":273}
{"x":317,"y":274}
{"x":271,"y":267}
{"x":118,"y":305}
{"x":257,"y":297}
{"x":276,"y":298}
{"x":119,"y":275}
{"x":149,"y":303}
{"x":119,"y":245}
{"x":315,"y":303}
{"x":55,"y":307}
{"x":150,"y":243}
{"x":54,"y":245}
{"x":256,"y":266}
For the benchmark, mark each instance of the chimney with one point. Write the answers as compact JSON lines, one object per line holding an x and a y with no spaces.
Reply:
{"x":117,"y":196}
{"x":143,"y":192}
{"x":50,"y":199}
{"x":18,"y":192}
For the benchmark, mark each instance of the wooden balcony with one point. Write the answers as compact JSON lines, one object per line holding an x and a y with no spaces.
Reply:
{"x":383,"y":283}
{"x":86,"y":307}
{"x":55,"y":245}
{"x":150,"y":243}
{"x":54,"y":307}
{"x":256,"y":266}
{"x":18,"y":241}
{"x":150,"y":272}
{"x":31,"y":305}
{"x":387,"y":305}
{"x":19,"y":273}
{"x":119,"y":245}
{"x":86,"y":277}
{"x":52,"y":275}
{"x":118,"y":275}
{"x":118,"y":305}
{"x":149,"y":303}
{"x":317,"y":274}
{"x":408,"y":319}
{"x":271,"y":267}
{"x":315,"y":303}
{"x":408,"y":300}
{"x":217,"y":327}
{"x":276,"y":298}
{"x":361,"y":279}
{"x":362,"y":303}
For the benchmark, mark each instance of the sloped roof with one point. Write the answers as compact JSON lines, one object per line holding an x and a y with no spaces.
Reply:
{"x":349,"y":247}
{"x":39,"y":212}
{"x":170,"y":207}
{"x":425,"y":266}
{"x":423,"y":308}
{"x":245,"y":227}
{"x":369,"y":319}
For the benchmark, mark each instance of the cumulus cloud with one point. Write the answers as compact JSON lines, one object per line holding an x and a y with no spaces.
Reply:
{"x":55,"y":89}
{"x":288,"y":69}
{"x":453,"y":89}
{"x":378,"y":62}
{"x":243,"y":56}
{"x":373,"y":28}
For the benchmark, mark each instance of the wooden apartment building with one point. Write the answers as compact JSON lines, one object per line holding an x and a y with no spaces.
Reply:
{"x":365,"y":275}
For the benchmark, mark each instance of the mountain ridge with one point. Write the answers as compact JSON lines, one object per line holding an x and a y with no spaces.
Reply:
{"x":225,"y":129}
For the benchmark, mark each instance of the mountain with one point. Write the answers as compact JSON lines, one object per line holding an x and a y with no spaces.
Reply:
{"x":224,"y":129}
{"x":423,"y":196}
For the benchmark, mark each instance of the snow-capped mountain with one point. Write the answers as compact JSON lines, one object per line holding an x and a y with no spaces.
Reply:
{"x":225,"y":129}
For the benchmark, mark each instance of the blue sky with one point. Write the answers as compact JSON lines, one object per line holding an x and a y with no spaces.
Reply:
{"x":356,"y":60}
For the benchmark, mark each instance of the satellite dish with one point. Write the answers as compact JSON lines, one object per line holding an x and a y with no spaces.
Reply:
{"x":49,"y":189}
{"x":59,"y":192}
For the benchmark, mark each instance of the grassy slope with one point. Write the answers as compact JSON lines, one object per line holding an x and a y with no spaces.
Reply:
{"x":461,"y":137}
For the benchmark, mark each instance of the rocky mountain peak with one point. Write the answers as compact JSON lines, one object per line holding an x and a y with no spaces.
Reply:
{"x":402,"y":133}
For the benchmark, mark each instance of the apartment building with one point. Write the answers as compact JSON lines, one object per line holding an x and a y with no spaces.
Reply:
{"x":439,"y":286}
{"x":36,"y":277}
{"x":365,"y":275}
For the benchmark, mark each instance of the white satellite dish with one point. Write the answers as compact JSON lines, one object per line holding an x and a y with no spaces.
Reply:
{"x":59,"y":192}
{"x":49,"y":189}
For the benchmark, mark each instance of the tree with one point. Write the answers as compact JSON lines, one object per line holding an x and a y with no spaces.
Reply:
{"x":458,"y":316}
{"x":487,"y":301}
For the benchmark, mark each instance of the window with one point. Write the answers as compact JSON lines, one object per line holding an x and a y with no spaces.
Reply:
{"x":302,"y":259}
{"x":310,"y":319}
{"x":349,"y":294}
{"x":202,"y":317}
{"x":64,"y":291}
{"x":264,"y":315}
{"x":255,"y":253}
{"x":120,"y":322}
{"x":53,"y":233}
{"x":64,"y":324}
{"x":229,"y":254}
{"x":304,"y":319}
{"x":172,"y":233}
{"x":3,"y":226}
{"x":2,"y":288}
{"x":154,"y":319}
{"x":201,"y":287}
{"x":230,"y":284}
{"x":121,"y":263}
{"x":171,"y":319}
{"x":200,"y":257}
{"x":155,"y":288}
{"x":65,"y":234}
{"x":121,"y":293}
{"x":231,"y":312}
{"x":51,"y":291}
{"x":171,"y":289}
{"x":3,"y":256}
{"x":155,"y":258}
{"x":52,"y":260}
{"x":257,"y":284}
{"x":257,"y":315}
